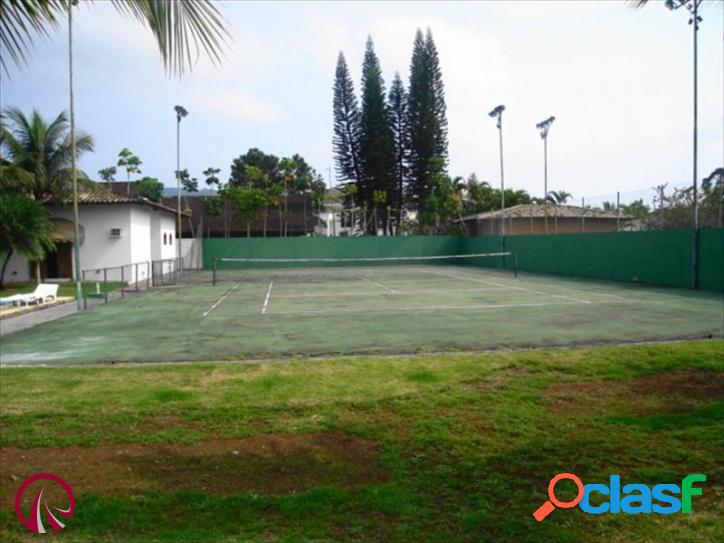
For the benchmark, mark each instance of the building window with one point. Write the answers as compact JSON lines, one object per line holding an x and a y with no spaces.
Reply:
{"x":164,"y":238}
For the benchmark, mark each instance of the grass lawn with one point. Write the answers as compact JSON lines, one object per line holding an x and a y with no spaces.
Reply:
{"x":419,"y":448}
{"x":64,"y":289}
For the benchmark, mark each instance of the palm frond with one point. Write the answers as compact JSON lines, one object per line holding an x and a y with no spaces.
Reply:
{"x":182,"y":28}
{"x":20,"y":22}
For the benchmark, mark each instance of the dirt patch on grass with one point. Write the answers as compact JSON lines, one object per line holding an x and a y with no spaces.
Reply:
{"x":263,"y":464}
{"x":651,"y":394}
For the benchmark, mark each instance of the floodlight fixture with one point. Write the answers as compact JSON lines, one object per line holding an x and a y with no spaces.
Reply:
{"x":180,"y":112}
{"x":497,"y":113}
{"x":544,"y":126}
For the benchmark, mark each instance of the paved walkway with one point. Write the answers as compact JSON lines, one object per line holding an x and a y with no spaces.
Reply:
{"x":10,"y":325}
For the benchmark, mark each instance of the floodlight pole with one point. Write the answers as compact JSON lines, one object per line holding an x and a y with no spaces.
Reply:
{"x":497,"y":113}
{"x":73,"y":170}
{"x":693,"y":7}
{"x":180,"y":114}
{"x":544,"y":126}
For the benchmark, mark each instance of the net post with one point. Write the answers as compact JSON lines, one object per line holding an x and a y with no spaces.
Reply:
{"x":123,"y":282}
{"x":515,"y":264}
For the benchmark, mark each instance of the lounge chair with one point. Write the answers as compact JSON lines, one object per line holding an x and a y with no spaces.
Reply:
{"x":42,"y":293}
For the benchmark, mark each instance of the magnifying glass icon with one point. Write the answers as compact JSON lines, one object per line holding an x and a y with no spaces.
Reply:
{"x":547,"y":508}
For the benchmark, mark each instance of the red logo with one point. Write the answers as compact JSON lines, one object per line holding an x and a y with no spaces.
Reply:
{"x":34,"y":522}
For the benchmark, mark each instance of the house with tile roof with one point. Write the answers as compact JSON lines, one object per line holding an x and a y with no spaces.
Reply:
{"x":541,"y":219}
{"x":115,"y":230}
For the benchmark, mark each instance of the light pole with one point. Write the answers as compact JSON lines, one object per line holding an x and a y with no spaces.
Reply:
{"x":693,"y":7}
{"x":544,"y":126}
{"x":180,"y":114}
{"x":497,"y":114}
{"x":73,"y":170}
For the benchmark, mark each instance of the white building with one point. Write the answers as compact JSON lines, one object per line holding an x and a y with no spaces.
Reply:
{"x":114,"y":231}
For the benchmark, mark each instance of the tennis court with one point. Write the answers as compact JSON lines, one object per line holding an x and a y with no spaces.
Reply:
{"x":440,"y":305}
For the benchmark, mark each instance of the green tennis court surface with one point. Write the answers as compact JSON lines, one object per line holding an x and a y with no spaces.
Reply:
{"x":371,"y":309}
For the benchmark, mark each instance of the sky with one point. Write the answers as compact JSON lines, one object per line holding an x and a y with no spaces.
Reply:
{"x":618,"y":80}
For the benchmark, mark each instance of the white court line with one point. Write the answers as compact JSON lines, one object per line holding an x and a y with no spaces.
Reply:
{"x":431,"y":308}
{"x":378,"y":284}
{"x":476,"y":280}
{"x":268,"y":295}
{"x":209,"y":310}
{"x":397,"y":292}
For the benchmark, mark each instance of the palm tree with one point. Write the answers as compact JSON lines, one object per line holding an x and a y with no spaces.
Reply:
{"x":132,"y":164}
{"x":182,"y":28}
{"x":25,"y":229}
{"x":558,"y":197}
{"x":42,"y":149}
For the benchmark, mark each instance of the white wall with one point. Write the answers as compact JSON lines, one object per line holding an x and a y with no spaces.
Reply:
{"x":18,"y":270}
{"x":191,"y":252}
{"x":167,"y":225}
{"x":99,"y":250}
{"x":163,"y":233}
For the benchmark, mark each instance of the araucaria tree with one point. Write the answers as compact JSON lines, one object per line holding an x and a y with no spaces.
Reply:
{"x":346,"y":125}
{"x":397,"y":112}
{"x":377,"y":186}
{"x":426,"y":117}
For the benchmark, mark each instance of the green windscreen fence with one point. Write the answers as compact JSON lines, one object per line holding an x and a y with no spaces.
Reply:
{"x":658,"y":257}
{"x":711,"y":259}
{"x":319,"y":247}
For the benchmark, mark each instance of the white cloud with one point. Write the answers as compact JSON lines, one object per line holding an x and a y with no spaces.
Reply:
{"x":239,"y":106}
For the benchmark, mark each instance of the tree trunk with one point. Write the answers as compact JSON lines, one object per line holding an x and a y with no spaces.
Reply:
{"x":226,"y":218}
{"x":286,"y":210}
{"x":281,"y":223}
{"x":304,"y":210}
{"x":5,"y":265}
{"x":38,"y":276}
{"x":248,"y":229}
{"x":265,"y":218}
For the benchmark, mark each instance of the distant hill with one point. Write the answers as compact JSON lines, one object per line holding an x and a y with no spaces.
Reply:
{"x":168,"y":192}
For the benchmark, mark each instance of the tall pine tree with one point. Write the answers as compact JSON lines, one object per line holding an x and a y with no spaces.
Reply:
{"x":346,"y":125}
{"x":426,"y":115}
{"x":377,"y":186}
{"x":397,"y":110}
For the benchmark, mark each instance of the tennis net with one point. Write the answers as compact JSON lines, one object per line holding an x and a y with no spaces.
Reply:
{"x":225,"y":269}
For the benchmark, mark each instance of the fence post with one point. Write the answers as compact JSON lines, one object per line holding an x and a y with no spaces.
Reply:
{"x":123,"y":282}
{"x":136,"y":275}
{"x":148,"y":274}
{"x":105,"y":285}
{"x":85,"y":298}
{"x":695,"y":259}
{"x":618,"y":211}
{"x":515,"y":264}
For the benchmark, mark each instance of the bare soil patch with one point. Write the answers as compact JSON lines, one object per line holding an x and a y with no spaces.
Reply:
{"x":263,"y":464}
{"x":651,"y":394}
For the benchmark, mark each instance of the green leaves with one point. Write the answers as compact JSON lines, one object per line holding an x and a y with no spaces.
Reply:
{"x":151,"y":188}
{"x":183,"y":28}
{"x":41,"y":148}
{"x":24,"y":229}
